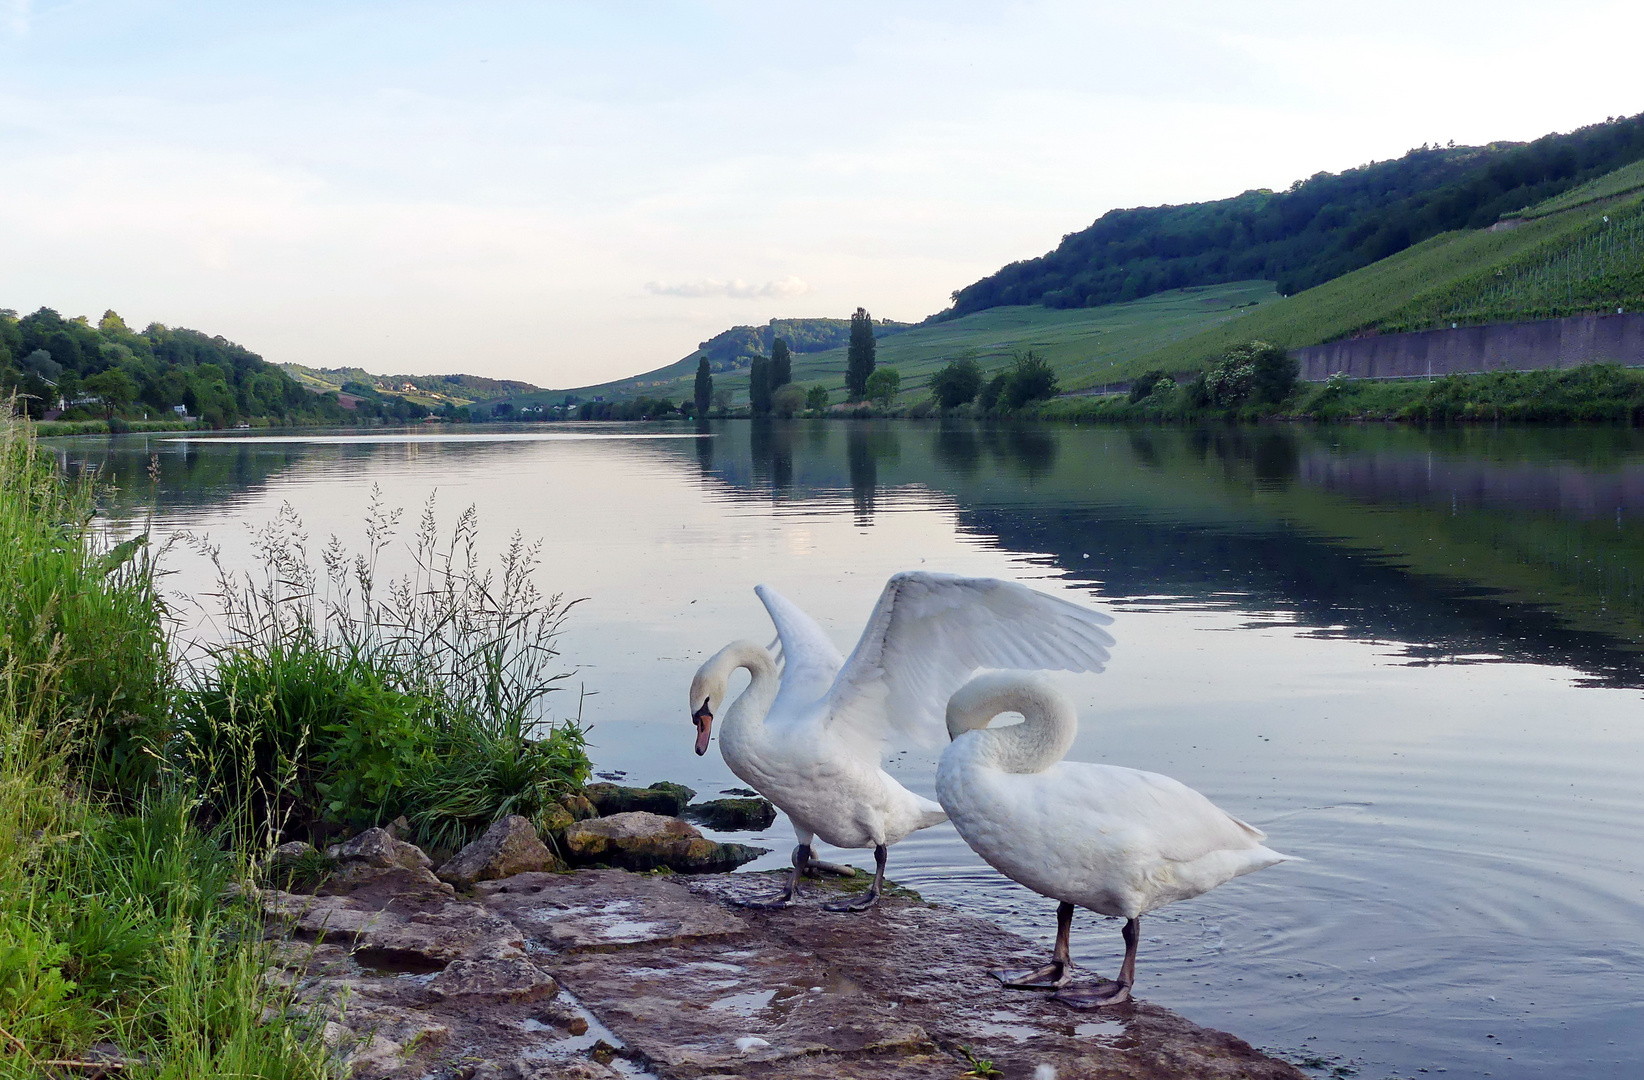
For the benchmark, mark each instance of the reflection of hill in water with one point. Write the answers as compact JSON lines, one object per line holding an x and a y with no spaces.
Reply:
{"x":1522,"y":545}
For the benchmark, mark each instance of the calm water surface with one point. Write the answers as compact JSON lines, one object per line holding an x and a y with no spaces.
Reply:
{"x":1413,"y":658}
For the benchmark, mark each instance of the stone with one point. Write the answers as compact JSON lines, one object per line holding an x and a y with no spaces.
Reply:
{"x":512,"y":980}
{"x":291,"y":852}
{"x":637,"y":840}
{"x":660,"y":798}
{"x":581,"y":808}
{"x":379,"y":848}
{"x":449,"y":931}
{"x":730,"y":815}
{"x":510,"y":846}
{"x":606,"y":910}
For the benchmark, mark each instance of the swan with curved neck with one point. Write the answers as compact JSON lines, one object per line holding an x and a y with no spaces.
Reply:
{"x":810,"y":736}
{"x":1115,"y":841}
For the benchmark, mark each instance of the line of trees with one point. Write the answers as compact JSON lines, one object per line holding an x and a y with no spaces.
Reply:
{"x":1319,"y":229}
{"x":961,"y":382}
{"x":109,"y":371}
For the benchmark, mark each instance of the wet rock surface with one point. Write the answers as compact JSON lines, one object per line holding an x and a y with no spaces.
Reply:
{"x":601,"y":974}
{"x":638,"y":840}
{"x":729,"y":815}
{"x":510,"y":846}
{"x":660,"y":798}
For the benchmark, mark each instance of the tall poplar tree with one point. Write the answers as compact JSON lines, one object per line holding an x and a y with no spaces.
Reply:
{"x":859,"y":363}
{"x":704,"y":387}
{"x":781,"y":365}
{"x":759,"y":386}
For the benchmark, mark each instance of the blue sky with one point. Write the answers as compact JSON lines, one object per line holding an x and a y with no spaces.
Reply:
{"x":570,"y":192}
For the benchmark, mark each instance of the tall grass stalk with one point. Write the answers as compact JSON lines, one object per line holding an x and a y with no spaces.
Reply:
{"x":341,"y":696}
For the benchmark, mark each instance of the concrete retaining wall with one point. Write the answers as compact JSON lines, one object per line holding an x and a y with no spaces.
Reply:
{"x":1525,"y":346}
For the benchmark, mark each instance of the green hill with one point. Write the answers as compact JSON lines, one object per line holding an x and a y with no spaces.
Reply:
{"x":110,"y":370}
{"x":1317,"y":230}
{"x":1577,"y":253}
{"x":429,"y":391}
{"x":1086,"y":346}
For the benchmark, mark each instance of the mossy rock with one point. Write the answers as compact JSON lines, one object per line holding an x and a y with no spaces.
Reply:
{"x":660,"y":798}
{"x":730,"y":815}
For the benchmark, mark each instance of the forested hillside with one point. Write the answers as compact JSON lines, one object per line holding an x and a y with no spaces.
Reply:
{"x":111,"y":371}
{"x":1317,"y":230}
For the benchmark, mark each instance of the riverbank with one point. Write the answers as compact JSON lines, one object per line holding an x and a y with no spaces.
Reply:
{"x":598,"y":974}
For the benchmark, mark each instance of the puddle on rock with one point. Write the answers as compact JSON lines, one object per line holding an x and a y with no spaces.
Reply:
{"x":744,"y":1004}
{"x":395,"y":962}
{"x":1106,"y":1032}
{"x":565,"y":1047}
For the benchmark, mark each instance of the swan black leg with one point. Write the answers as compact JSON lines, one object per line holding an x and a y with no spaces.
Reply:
{"x":871,"y":897}
{"x":1054,"y":975}
{"x":801,"y":859}
{"x":1105,"y":992}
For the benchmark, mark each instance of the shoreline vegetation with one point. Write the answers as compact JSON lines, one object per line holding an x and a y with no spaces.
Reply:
{"x":145,"y":780}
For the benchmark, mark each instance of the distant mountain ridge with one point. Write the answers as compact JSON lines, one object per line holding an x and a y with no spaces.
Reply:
{"x":1322,"y":227}
{"x":430,"y":390}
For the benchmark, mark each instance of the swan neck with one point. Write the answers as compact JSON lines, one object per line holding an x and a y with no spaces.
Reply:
{"x":1042,"y":739}
{"x":752,"y":705}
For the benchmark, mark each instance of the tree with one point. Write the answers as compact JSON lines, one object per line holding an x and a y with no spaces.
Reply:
{"x":114,"y":387}
{"x":957,"y":383}
{"x":1275,"y":371}
{"x":722,"y":398}
{"x":1144,"y":384}
{"x":1032,"y":380}
{"x":787,"y":400}
{"x":816,"y":398}
{"x":759,"y":386}
{"x":883,"y":385}
{"x":859,"y":362}
{"x":704,"y":386}
{"x":995,"y":392}
{"x":781,"y":364}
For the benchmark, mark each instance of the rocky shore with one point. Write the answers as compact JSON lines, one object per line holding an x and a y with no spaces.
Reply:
{"x":603,"y":973}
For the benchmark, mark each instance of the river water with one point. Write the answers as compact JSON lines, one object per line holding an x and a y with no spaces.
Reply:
{"x":1414,"y":658}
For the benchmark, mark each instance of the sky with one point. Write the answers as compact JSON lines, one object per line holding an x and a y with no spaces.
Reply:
{"x":569,"y":193}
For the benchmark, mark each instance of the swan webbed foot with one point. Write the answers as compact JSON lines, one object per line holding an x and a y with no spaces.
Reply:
{"x":860,"y":903}
{"x":1053,"y":976}
{"x":871,"y":897}
{"x":1095,"y":995}
{"x":781,"y":900}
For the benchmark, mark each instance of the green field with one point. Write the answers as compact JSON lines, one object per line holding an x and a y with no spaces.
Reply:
{"x":1588,"y":258}
{"x":1087,"y":346}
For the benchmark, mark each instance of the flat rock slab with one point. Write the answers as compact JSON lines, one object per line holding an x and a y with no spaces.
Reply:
{"x":605,"y":910}
{"x":664,"y":971}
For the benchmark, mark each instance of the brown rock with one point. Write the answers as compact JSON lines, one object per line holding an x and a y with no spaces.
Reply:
{"x":510,"y":846}
{"x":511,"y":980}
{"x":660,"y":798}
{"x":644,"y":841}
{"x":378,"y":848}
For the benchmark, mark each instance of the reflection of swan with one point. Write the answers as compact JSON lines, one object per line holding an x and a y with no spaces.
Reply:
{"x":1116,"y":841}
{"x":811,"y":741}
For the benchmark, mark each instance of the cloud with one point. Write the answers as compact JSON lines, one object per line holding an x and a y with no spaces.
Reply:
{"x":736,"y":288}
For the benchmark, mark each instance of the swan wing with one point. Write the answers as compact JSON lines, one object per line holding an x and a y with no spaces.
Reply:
{"x":930,"y":632}
{"x":810,"y":660}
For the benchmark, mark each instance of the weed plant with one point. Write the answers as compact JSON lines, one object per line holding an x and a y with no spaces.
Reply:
{"x":340,"y":698}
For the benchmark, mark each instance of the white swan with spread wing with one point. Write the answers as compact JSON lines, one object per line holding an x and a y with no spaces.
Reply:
{"x":1116,"y":841}
{"x":811,"y":737}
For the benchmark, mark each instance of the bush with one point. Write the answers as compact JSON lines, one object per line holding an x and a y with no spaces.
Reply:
{"x":1144,"y":384}
{"x":816,"y":398}
{"x":1031,"y":380}
{"x":319,"y":715}
{"x":883,"y":385}
{"x":787,"y":400}
{"x":994,"y":394}
{"x":957,"y":383}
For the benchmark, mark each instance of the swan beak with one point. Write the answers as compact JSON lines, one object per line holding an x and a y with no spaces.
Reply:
{"x":704,"y":721}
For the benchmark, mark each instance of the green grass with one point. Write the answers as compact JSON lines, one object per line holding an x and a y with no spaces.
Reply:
{"x":1628,"y":178}
{"x":343,"y":699}
{"x":113,"y":927}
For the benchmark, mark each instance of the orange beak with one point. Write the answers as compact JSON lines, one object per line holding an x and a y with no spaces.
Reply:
{"x":704,"y":721}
